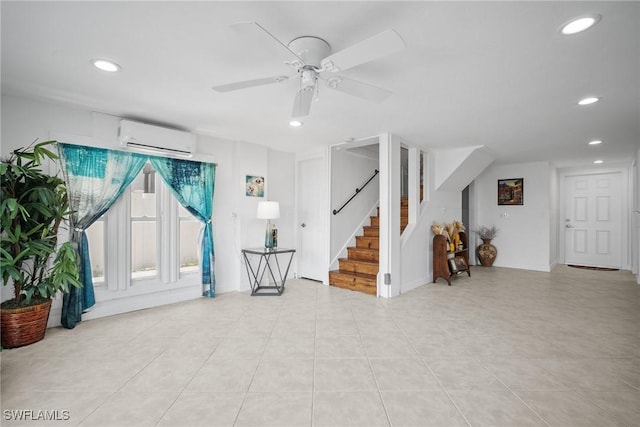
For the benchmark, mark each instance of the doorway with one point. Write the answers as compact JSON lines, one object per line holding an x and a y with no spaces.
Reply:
{"x":311,"y":191}
{"x":594,"y":219}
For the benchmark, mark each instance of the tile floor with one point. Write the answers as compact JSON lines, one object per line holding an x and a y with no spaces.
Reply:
{"x":502,"y":348}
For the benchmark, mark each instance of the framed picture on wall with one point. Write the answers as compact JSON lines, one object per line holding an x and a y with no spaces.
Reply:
{"x":511,"y":191}
{"x":254,"y":186}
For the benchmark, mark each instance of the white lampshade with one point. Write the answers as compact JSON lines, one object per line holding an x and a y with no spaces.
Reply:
{"x":268,"y":210}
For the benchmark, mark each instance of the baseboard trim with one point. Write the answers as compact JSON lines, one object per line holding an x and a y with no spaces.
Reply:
{"x":133,"y":303}
{"x":406,"y":287}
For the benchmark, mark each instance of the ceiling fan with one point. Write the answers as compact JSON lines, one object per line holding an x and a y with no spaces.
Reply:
{"x":312,"y":60}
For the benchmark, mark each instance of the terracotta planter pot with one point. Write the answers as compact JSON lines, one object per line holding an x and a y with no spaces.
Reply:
{"x":487,"y":253}
{"x":24,"y":325}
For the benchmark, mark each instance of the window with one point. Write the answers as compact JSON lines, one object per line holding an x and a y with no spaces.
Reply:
{"x":147,"y":241}
{"x":422,"y":180}
{"x":189,"y":233}
{"x":144,"y":224}
{"x":96,"y":238}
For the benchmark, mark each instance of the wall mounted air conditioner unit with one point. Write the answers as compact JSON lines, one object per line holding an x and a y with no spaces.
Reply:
{"x":156,"y":140}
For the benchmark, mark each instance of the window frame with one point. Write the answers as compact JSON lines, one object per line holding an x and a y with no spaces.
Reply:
{"x":118,"y":280}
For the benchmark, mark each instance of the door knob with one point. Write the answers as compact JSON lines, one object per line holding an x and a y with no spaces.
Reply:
{"x":568,"y":226}
{"x":303,"y":225}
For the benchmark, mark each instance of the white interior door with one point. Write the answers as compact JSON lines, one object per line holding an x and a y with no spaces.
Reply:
{"x":311,"y":194}
{"x":593,"y":222}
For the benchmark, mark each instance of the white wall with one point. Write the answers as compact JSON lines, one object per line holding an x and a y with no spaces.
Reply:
{"x":636,"y":219}
{"x":416,"y":248}
{"x":554,"y":217}
{"x":235,"y":225}
{"x":524,"y":239}
{"x":349,"y":171}
{"x":282,"y":188}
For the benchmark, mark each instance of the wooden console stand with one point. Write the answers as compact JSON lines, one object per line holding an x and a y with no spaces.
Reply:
{"x":442,"y":257}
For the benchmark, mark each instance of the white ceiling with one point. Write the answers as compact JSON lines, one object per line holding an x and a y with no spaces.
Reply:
{"x":474,"y":73}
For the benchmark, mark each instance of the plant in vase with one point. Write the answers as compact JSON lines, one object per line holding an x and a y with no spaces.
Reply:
{"x":33,"y":206}
{"x":486,"y":252}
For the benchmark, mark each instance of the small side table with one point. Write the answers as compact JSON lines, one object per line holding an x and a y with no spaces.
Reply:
{"x":256,"y":275}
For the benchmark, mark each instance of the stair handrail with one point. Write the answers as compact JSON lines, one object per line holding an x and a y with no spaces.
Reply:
{"x":358,"y":190}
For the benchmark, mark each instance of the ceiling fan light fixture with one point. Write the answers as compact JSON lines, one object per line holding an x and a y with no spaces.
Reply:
{"x":106,"y":65}
{"x":295,"y":123}
{"x":311,"y":56}
{"x":579,"y":24}
{"x":588,"y":100}
{"x":308,"y":78}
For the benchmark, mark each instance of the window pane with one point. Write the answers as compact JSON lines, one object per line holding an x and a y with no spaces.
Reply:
{"x":189,"y":244}
{"x":144,"y":224}
{"x":189,"y":241}
{"x":183,"y":213}
{"x":421,"y":176}
{"x":95,"y":236}
{"x":143,"y":249}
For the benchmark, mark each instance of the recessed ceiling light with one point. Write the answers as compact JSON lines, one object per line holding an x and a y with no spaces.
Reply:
{"x":595,"y":142}
{"x":105,"y":65}
{"x":588,"y":100}
{"x":295,"y":123}
{"x":597,"y":162}
{"x":579,"y":24}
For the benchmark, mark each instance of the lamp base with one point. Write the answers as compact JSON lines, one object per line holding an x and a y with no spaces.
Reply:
{"x":268,"y":237}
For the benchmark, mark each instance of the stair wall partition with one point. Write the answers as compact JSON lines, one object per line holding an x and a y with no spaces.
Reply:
{"x":349,"y":171}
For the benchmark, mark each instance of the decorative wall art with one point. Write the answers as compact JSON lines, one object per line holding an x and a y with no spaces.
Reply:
{"x":511,"y":191}
{"x":254,"y":186}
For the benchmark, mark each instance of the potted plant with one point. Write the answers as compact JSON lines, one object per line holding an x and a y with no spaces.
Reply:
{"x":33,"y":205}
{"x":486,"y":252}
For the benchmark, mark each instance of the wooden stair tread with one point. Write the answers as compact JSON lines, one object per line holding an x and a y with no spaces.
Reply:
{"x":351,"y":274}
{"x":359,"y":282}
{"x":363,"y":249}
{"x":371,"y":242}
{"x":363,"y":254}
{"x":358,"y":261}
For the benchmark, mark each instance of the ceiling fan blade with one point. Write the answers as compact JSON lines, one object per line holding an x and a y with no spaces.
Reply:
{"x":385,"y":43}
{"x":249,"y":83}
{"x":358,"y":89}
{"x":257,"y":32}
{"x":302,"y":103}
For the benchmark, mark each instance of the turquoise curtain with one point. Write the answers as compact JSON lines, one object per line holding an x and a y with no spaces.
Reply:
{"x":95,"y":179}
{"x":192,"y":184}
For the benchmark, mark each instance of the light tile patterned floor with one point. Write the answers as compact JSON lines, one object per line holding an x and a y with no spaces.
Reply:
{"x":502,"y":348}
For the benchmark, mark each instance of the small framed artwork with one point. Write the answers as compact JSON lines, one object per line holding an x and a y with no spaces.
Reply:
{"x":254,"y":186}
{"x":511,"y":191}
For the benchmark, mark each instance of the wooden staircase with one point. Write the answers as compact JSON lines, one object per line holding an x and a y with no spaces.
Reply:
{"x":358,"y":271}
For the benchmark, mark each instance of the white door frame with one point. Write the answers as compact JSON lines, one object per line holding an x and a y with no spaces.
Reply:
{"x":625,"y":195}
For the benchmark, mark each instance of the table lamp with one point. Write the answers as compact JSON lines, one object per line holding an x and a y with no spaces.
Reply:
{"x":268,"y":210}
